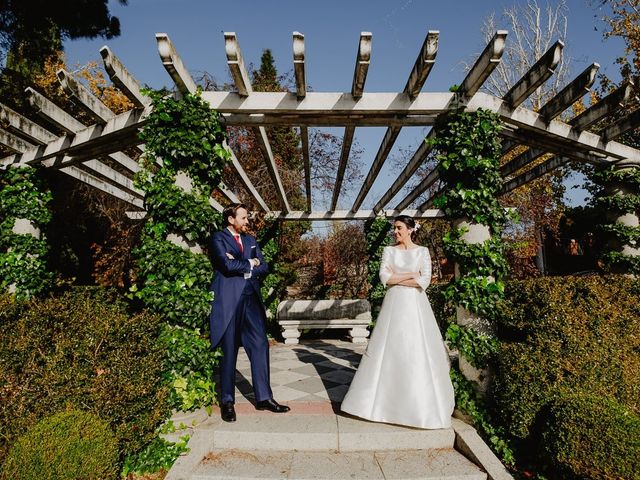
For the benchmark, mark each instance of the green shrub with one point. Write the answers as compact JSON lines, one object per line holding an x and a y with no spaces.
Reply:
{"x":591,"y":437}
{"x":562,"y":335}
{"x":67,"y":446}
{"x":82,"y":349}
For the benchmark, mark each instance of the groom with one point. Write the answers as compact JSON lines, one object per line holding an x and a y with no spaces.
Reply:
{"x":237,"y":314}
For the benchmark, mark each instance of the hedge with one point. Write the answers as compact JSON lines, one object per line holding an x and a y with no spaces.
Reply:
{"x":561,"y":336}
{"x":70,"y":445}
{"x":81,"y":349}
{"x":591,"y":437}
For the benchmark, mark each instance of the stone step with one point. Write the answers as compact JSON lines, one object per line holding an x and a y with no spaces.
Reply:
{"x":278,"y":432}
{"x":235,"y":464}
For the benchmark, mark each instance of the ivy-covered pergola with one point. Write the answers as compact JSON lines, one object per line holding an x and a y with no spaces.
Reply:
{"x":81,"y":150}
{"x":102,"y":156}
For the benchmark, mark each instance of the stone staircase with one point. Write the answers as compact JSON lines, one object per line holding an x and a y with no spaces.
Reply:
{"x":327,"y":446}
{"x":315,"y":440}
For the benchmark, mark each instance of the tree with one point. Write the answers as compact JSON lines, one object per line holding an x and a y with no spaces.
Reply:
{"x":531,"y":33}
{"x":345,"y":261}
{"x":33,"y":30}
{"x":91,"y":236}
{"x":624,"y":22}
{"x":540,"y":203}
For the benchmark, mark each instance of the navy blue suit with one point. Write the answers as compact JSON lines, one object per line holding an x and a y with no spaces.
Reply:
{"x":238,"y":314}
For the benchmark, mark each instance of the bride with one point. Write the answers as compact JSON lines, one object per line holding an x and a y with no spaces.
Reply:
{"x":403,"y":377}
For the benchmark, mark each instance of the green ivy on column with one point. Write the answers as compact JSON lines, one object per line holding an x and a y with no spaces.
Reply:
{"x":25,"y":199}
{"x":274,"y":284}
{"x":377,"y":234}
{"x":616,"y":204}
{"x":183,"y":162}
{"x":468,"y":148}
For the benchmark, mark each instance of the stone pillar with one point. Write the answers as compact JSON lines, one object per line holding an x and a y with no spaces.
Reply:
{"x":185,"y":183}
{"x":628,"y":219}
{"x":476,"y":233}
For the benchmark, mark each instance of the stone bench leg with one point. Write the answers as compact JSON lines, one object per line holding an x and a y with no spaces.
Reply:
{"x":291,"y":335}
{"x":359,"y":334}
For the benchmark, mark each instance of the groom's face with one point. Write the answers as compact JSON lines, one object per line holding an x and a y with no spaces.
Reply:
{"x":240,"y":222}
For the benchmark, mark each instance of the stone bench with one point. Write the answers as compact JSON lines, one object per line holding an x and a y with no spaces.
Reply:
{"x":297,"y":315}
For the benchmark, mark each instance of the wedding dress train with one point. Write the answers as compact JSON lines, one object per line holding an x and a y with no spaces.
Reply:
{"x":403,"y":377}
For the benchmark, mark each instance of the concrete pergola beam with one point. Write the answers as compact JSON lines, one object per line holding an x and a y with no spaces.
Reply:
{"x":343,"y":215}
{"x":423,"y":64}
{"x":49,"y":111}
{"x":241,"y":78}
{"x":418,"y":76}
{"x":316,"y":105}
{"x":539,"y":73}
{"x":570,"y":94}
{"x":301,"y":92}
{"x":484,"y":66}
{"x":235,"y":61}
{"x":89,"y":179}
{"x":90,"y":142}
{"x":174,"y":66}
{"x":55,"y":115}
{"x":115,"y":181}
{"x":122,"y":79}
{"x":363,"y":59}
{"x":244,"y":178}
{"x":298,"y":65}
{"x":13,"y":142}
{"x":479,"y":72}
{"x":359,"y":77}
{"x":98,"y":111}
{"x":418,"y":190}
{"x":607,"y":106}
{"x":23,"y":127}
{"x":228,"y":193}
{"x":627,"y":123}
{"x":553,"y":131}
{"x":304,"y":136}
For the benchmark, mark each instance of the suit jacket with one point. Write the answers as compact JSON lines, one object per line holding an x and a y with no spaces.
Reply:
{"x":228,"y":282}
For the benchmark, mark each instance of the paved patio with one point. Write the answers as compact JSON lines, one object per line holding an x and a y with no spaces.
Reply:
{"x":311,"y":377}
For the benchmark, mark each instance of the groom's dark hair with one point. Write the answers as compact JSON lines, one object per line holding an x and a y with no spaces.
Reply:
{"x":231,"y":210}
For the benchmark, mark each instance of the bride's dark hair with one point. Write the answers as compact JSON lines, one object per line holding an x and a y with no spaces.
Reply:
{"x":409,"y":222}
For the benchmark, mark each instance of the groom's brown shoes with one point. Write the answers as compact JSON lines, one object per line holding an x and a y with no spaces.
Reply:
{"x":228,"y":412}
{"x":272,"y":406}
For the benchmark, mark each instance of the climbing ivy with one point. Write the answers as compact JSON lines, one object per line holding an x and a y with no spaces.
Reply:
{"x":377,"y":234}
{"x":183,"y":162}
{"x":23,"y":266}
{"x":616,"y":235}
{"x":468,"y":153}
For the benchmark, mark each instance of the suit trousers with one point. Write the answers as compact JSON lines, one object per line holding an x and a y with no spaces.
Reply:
{"x":246,"y":329}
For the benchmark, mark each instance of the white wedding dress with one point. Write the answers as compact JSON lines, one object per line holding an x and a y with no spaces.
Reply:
{"x":403,"y":377}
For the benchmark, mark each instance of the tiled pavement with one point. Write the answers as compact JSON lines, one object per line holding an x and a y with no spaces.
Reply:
{"x":310,"y":377}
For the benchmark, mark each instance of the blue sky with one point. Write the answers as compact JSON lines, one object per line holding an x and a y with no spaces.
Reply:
{"x":332,"y":29}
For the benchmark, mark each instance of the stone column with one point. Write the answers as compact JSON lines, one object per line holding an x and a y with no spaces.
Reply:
{"x":184,"y":182}
{"x":476,"y":233}
{"x":627,"y":219}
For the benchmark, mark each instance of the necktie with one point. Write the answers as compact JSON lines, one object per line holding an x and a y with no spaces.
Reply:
{"x":237,"y":237}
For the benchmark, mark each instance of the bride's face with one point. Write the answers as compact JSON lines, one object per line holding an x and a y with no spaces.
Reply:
{"x":401,"y":232}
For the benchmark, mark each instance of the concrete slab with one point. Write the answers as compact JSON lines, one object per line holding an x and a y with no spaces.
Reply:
{"x":200,"y":444}
{"x":240,"y":465}
{"x":286,"y":376}
{"x":278,"y":432}
{"x":471,"y":445}
{"x":358,"y":434}
{"x":331,"y":465}
{"x":312,"y":385}
{"x":441,"y":464}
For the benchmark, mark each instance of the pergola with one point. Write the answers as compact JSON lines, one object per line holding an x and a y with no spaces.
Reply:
{"x":89,"y":153}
